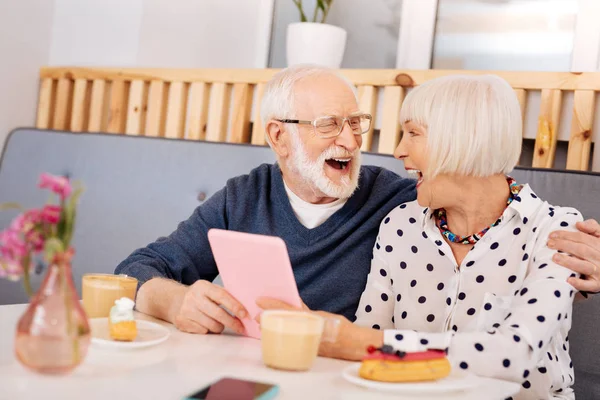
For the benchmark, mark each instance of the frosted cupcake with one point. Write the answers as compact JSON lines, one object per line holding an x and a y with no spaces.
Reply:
{"x":121,"y":321}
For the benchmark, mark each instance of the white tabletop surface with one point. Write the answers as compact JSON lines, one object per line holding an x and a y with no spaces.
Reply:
{"x":184,"y":364}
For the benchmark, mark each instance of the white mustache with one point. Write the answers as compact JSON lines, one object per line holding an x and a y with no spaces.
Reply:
{"x":336,"y":152}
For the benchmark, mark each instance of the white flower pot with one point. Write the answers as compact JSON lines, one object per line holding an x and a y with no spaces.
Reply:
{"x":315,"y":43}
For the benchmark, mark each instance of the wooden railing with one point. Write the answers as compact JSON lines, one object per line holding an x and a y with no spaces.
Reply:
{"x":224,"y":104}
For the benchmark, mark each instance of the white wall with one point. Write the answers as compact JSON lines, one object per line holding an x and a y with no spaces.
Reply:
{"x":159,"y":33}
{"x":25,"y":27}
{"x":122,"y":33}
{"x":201,"y":34}
{"x":96,"y":32}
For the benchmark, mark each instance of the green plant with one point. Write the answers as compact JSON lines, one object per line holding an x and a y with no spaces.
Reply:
{"x":322,"y":8}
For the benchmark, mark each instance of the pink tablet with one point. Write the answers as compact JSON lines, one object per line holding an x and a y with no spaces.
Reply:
{"x":253,"y":266}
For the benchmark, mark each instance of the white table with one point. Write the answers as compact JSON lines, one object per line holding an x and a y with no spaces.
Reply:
{"x":181,"y":366}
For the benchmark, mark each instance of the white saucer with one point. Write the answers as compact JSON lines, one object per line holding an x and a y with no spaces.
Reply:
{"x":453,"y":383}
{"x":148,"y":334}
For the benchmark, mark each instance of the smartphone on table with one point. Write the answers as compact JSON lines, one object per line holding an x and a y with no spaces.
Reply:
{"x":236,"y":389}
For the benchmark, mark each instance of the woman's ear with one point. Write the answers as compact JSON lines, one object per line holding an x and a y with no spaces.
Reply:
{"x":279,"y":138}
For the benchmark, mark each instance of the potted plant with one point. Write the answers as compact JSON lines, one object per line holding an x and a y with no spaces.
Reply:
{"x":313,"y":41}
{"x":53,"y":335}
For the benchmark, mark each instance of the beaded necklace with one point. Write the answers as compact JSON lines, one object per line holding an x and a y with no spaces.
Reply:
{"x":442,"y":220}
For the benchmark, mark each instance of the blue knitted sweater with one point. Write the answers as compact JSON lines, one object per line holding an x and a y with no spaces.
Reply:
{"x":330,"y":262}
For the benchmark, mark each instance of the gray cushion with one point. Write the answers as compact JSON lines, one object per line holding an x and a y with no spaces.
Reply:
{"x":564,"y":188}
{"x":138,"y":189}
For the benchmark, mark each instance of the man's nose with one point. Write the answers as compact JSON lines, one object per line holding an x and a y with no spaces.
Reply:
{"x":348,"y":139}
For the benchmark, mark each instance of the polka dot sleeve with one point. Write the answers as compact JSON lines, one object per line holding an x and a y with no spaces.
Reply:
{"x":537,"y":313}
{"x":376,"y":308}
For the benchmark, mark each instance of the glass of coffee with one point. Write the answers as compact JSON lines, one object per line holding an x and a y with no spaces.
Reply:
{"x":99,"y":292}
{"x":291,"y":339}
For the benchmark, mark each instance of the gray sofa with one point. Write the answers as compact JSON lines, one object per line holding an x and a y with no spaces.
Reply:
{"x":138,"y":189}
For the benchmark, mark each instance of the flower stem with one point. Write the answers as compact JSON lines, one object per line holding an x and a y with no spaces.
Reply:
{"x":298,"y":4}
{"x":26,"y":276}
{"x":325,"y":13}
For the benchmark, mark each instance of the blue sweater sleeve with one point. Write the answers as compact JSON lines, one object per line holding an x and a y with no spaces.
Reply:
{"x":185,"y":254}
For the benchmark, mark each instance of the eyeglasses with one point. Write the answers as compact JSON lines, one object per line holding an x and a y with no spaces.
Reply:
{"x":331,"y":126}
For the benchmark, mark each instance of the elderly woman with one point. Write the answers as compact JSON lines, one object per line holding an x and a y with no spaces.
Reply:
{"x":466,"y":267}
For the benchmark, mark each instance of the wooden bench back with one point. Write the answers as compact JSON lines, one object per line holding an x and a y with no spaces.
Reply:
{"x":224,"y":104}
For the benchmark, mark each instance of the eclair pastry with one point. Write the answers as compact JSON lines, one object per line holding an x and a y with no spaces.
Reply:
{"x":387,"y":365}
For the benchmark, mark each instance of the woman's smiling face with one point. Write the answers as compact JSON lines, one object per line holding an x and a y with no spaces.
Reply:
{"x":412,"y":150}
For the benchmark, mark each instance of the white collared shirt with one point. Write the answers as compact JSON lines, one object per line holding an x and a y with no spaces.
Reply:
{"x":504,"y":313}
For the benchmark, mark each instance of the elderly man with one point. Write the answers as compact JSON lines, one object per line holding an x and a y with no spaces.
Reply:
{"x":317,"y":198}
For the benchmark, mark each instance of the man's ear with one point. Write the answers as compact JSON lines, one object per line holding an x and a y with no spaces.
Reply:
{"x":279,"y":138}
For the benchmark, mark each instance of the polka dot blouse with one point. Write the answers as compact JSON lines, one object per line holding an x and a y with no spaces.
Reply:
{"x":505,"y":312}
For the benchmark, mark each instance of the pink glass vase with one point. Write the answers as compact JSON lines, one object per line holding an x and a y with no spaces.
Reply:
{"x":53,"y":334}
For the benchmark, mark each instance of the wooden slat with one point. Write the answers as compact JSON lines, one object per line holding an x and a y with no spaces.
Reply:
{"x":44,"y":109}
{"x":370,"y":77}
{"x":136,"y":109}
{"x":98,"y":102}
{"x":198,"y":110}
{"x":522,"y":97}
{"x":393,"y":96}
{"x":547,"y":133}
{"x":580,"y":142}
{"x":62,"y":110}
{"x":176,"y":110}
{"x":81,"y":106}
{"x":117,"y":112}
{"x":242,"y":106}
{"x":231,"y":75}
{"x":367,"y":102}
{"x":218,"y":112}
{"x":156,"y":109}
{"x":258,"y":130}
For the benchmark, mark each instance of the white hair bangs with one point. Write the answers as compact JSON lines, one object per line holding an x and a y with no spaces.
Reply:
{"x":473,"y":123}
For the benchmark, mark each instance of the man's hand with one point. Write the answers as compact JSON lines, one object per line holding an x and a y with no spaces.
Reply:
{"x":584,"y":247}
{"x":197,"y":309}
{"x":268,"y":303}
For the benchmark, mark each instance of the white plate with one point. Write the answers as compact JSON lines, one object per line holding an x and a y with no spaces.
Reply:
{"x":148,"y":334}
{"x":453,"y":383}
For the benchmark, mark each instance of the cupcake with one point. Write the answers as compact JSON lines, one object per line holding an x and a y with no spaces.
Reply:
{"x":386,"y":365}
{"x":121,"y":322}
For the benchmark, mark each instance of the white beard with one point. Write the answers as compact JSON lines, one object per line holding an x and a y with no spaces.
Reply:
{"x":313,"y":172}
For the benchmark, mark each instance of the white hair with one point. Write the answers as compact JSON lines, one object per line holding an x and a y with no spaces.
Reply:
{"x":278,"y":101}
{"x":473,"y":122}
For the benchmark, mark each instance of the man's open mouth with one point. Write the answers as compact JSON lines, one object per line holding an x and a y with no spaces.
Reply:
{"x":341,"y":164}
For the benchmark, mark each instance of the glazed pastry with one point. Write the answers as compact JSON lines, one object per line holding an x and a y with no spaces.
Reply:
{"x":121,"y":321}
{"x":387,"y":365}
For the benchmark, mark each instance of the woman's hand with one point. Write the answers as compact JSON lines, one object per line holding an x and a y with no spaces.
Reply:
{"x":584,"y":247}
{"x":350,"y":342}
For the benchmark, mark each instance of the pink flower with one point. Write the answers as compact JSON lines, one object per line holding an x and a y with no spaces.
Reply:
{"x":31,"y":218}
{"x":12,"y":246}
{"x":51,"y":214}
{"x":58,"y":184}
{"x":25,"y":222}
{"x":18,"y":223}
{"x":11,"y":269}
{"x":35,"y":239}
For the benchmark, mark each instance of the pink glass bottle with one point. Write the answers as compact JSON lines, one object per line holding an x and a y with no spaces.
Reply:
{"x":53,"y":334}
